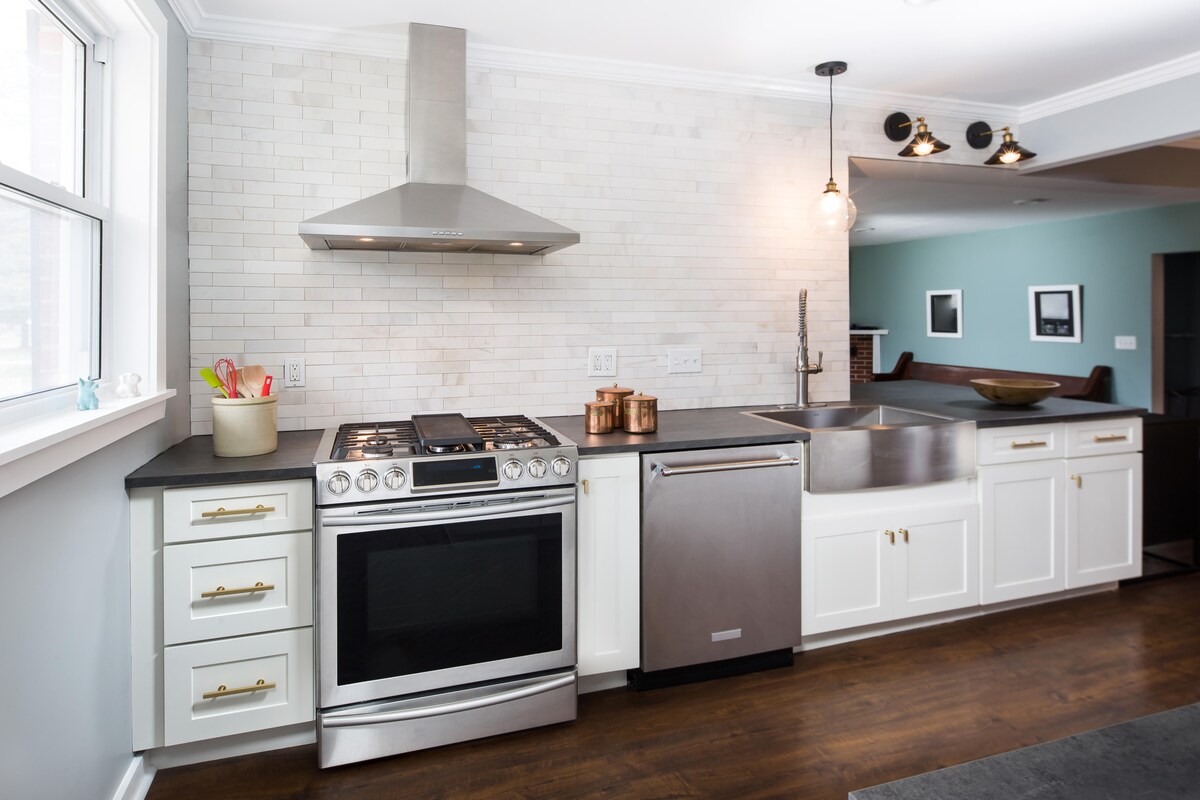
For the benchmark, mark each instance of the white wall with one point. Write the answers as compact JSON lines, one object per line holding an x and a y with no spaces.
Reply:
{"x":691,"y":206}
{"x":64,"y":567}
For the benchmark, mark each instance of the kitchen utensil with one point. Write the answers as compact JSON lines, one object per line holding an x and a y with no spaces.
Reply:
{"x":212,"y":380}
{"x":266,"y":389}
{"x":1014,"y":391}
{"x":640,"y":414}
{"x":599,"y":416}
{"x":615,"y":394}
{"x":227,"y":373}
{"x":252,"y":378}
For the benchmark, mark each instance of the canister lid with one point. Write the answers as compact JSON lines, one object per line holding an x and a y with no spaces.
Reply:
{"x":599,"y":405}
{"x":614,"y":389}
{"x":641,"y":398}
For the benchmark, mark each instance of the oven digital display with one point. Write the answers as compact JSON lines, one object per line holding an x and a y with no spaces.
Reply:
{"x":454,"y":471}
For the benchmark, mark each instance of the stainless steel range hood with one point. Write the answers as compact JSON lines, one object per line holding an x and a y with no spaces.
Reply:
{"x":436,"y":211}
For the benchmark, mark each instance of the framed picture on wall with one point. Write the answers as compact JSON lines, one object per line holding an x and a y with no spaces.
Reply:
{"x":943,"y":313}
{"x":1054,"y":314}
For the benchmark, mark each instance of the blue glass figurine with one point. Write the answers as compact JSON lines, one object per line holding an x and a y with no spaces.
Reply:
{"x":87,"y":400}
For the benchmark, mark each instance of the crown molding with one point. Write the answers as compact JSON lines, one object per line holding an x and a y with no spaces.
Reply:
{"x":1114,"y":87}
{"x":199,"y":25}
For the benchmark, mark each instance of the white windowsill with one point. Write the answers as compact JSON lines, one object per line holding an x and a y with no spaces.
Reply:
{"x":37,"y":447}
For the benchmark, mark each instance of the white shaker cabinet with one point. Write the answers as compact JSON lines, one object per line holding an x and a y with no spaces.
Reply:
{"x":608,"y":530}
{"x":860,"y":569}
{"x":1060,"y":506}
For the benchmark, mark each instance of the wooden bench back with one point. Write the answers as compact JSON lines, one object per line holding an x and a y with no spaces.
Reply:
{"x":1093,"y":387}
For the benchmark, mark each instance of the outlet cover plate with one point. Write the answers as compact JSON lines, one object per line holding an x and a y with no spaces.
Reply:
{"x":293,"y":371}
{"x":684,"y":359}
{"x":1126,"y":343}
{"x":602,"y":362}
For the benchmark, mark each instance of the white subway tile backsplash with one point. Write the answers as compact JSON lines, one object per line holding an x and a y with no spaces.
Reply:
{"x":690,"y":205}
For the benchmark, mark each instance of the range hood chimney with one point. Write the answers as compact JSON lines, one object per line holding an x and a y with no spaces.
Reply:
{"x":436,"y":212}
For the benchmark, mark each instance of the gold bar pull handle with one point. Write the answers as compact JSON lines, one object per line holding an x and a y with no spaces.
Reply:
{"x":904,"y":533}
{"x":1078,"y":480}
{"x":221,"y":512}
{"x":891,"y":536}
{"x":221,"y":591}
{"x":584,"y":483}
{"x":1113,"y":437}
{"x":1030,"y":443}
{"x":223,"y":691}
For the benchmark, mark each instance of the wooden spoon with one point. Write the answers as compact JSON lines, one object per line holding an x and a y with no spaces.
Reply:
{"x":251,"y":378}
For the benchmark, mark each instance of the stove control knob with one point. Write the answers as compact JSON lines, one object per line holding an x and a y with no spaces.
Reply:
{"x":561,"y":466}
{"x":367,"y":480}
{"x":512,"y":469}
{"x":537,"y":468}
{"x":338,"y":483}
{"x":394,"y":478}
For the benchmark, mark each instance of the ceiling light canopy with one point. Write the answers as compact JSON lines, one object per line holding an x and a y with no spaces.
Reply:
{"x":923,"y":142}
{"x":832,"y":211}
{"x":979,"y":136}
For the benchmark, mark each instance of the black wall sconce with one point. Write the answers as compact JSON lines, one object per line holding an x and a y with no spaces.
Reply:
{"x":979,"y":136}
{"x":923,"y":142}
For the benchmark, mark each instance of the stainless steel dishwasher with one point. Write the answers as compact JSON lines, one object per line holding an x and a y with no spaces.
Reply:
{"x":720,"y":554}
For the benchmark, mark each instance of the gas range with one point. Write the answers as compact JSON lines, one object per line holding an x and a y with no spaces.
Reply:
{"x":439,"y":454}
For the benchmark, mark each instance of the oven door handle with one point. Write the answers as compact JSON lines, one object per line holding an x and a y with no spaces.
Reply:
{"x":391,"y":516}
{"x":380,"y":717}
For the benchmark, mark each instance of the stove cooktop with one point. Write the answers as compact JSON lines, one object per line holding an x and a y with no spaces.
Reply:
{"x":366,"y":441}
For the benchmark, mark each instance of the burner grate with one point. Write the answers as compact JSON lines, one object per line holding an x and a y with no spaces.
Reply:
{"x":510,"y":431}
{"x":372,"y":439}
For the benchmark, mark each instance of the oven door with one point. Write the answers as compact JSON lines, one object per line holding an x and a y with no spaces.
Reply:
{"x":443,"y":592}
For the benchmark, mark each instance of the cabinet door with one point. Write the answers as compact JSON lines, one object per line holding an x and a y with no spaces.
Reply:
{"x":1022,"y":530}
{"x":1104,"y":519}
{"x":846,"y":564}
{"x":936,"y":564}
{"x":608,"y":517}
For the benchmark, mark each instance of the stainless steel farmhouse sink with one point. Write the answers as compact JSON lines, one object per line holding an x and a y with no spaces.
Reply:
{"x":857,"y":447}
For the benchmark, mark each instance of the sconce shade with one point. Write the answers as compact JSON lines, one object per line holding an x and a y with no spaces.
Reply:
{"x":979,"y":136}
{"x":923,"y":142}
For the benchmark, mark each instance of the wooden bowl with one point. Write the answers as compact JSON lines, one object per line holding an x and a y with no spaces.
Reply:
{"x":1013,"y":391}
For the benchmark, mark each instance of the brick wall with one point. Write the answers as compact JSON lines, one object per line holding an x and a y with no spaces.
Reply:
{"x":691,"y":205}
{"x":862,"y":350}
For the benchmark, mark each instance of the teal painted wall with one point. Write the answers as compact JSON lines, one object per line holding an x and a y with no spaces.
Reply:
{"x":1110,"y":256}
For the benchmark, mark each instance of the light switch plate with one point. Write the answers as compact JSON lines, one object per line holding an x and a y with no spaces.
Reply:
{"x":684,"y":359}
{"x":1126,"y":343}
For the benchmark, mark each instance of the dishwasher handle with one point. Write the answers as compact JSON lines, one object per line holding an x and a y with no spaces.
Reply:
{"x":726,"y":466}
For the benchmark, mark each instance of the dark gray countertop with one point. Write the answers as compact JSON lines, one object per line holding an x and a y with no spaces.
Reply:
{"x":1151,"y":757}
{"x":726,"y":427}
{"x":191,"y":462}
{"x":964,"y":403}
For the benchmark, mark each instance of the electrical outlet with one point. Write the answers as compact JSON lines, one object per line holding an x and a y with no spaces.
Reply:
{"x":684,"y":359}
{"x":602,"y":362}
{"x":1126,"y":343}
{"x":293,"y":371}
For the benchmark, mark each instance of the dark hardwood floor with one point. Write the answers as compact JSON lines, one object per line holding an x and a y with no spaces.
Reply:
{"x":844,"y":717}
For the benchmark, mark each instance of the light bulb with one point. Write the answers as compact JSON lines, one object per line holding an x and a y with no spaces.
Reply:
{"x":923,"y":148}
{"x":1010,"y":157}
{"x":832,"y":211}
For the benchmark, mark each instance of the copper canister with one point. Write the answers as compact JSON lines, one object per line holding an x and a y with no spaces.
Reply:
{"x":641,"y":413}
{"x":598,"y":416}
{"x":615,"y":394}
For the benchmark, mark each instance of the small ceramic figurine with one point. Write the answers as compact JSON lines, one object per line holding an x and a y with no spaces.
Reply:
{"x":87,"y":400}
{"x":127,"y":385}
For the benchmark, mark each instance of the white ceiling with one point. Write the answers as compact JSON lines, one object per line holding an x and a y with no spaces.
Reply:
{"x":1010,"y":53}
{"x":1011,"y":59}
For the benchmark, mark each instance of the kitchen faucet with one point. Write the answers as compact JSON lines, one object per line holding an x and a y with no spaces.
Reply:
{"x":804,"y":368}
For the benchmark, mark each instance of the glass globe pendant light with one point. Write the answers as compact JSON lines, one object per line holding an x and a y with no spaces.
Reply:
{"x":832,"y":211}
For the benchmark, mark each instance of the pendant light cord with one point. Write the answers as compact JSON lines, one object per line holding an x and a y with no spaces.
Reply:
{"x":831,"y":127}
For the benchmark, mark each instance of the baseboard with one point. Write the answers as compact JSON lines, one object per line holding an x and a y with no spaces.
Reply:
{"x":135,"y":785}
{"x":226,"y":747}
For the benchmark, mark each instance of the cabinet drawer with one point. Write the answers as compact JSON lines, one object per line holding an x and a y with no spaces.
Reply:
{"x":276,"y":569}
{"x":1022,"y":443}
{"x":282,"y":661}
{"x":1104,"y":436}
{"x":241,"y":509}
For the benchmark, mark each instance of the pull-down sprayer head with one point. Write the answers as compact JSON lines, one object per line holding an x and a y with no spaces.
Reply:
{"x":802,"y":317}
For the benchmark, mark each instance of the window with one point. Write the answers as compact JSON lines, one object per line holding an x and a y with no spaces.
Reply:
{"x":51,"y":222}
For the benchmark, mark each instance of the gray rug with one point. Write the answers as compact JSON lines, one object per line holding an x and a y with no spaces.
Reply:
{"x":1153,"y":757}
